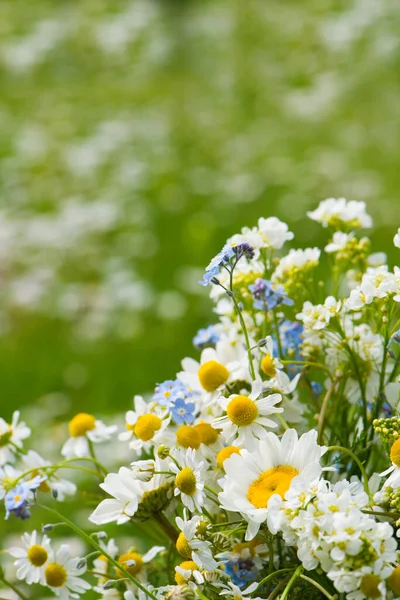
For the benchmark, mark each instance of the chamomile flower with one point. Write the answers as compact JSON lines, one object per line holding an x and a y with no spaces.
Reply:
{"x":61,"y":487}
{"x":85,"y":428}
{"x":131,"y":496}
{"x":247,"y":416}
{"x":11,"y":438}
{"x":32,"y":558}
{"x":145,"y":426}
{"x":135,"y":563}
{"x":191,"y":547}
{"x":62,"y":574}
{"x":253,"y":478}
{"x":216,"y":368}
{"x":189,"y":481}
{"x":230,"y":589}
{"x":394,"y":469}
{"x":273,"y":368}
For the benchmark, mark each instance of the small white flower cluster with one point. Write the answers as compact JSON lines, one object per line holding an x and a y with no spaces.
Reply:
{"x":262,"y":465}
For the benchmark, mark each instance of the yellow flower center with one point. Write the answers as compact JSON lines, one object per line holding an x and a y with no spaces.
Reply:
{"x":267,"y":365}
{"x":395,"y":453}
{"x":134,"y":569}
{"x":55,"y":575}
{"x":394,"y":580}
{"x":212,"y":374}
{"x":37,"y":555}
{"x":186,"y":564}
{"x":188,"y":437}
{"x":182,"y":545}
{"x":44,"y":486}
{"x":146,"y":426}
{"x":81,"y":424}
{"x":208,"y":435}
{"x":186,"y":481}
{"x":250,"y":546}
{"x":226,"y":453}
{"x":242,"y":411}
{"x":369,"y":586}
{"x":274,"y":481}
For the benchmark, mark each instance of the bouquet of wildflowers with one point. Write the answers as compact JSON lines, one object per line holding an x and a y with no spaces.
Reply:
{"x":269,"y":467}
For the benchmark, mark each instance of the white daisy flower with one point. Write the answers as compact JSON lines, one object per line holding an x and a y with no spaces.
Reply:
{"x":127,"y":492}
{"x":85,"y":428}
{"x":192,"y":548}
{"x":247,"y":416}
{"x":215,"y":369}
{"x":279,"y":380}
{"x":135,"y":563}
{"x":145,"y":425}
{"x":188,"y":481}
{"x":252,"y":478}
{"x":230,"y":589}
{"x":11,"y":437}
{"x":31,"y":559}
{"x":62,"y":574}
{"x":61,"y":487}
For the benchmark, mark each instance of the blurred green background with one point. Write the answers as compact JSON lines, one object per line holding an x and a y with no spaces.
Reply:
{"x":136,"y":136}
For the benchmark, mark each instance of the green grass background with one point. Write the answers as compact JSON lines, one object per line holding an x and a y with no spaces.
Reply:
{"x":239,"y":110}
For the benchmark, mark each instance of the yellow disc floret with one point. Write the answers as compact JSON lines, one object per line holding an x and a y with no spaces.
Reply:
{"x":226,"y":453}
{"x":242,"y":411}
{"x":267,"y":365}
{"x":212,"y":374}
{"x":146,"y":426}
{"x":81,"y":424}
{"x":186,"y":481}
{"x":188,"y":437}
{"x":395,"y":453}
{"x":187,"y":565}
{"x":369,"y":586}
{"x":37,"y":555}
{"x":274,"y":481}
{"x":182,"y":545}
{"x":55,"y":575}
{"x":208,"y":435}
{"x":132,"y":569}
{"x":394,"y":580}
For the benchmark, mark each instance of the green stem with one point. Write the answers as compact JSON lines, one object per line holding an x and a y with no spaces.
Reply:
{"x":270,"y":577}
{"x":318,"y":586}
{"x":358,"y":463}
{"x":291,"y":582}
{"x":14,"y":588}
{"x":166,"y":526}
{"x":282,"y":421}
{"x":93,"y":543}
{"x":246,"y":337}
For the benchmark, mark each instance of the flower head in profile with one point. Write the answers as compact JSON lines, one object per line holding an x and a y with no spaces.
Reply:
{"x":85,"y":429}
{"x":31,"y":559}
{"x":253,"y":478}
{"x":11,"y":438}
{"x":247,"y":416}
{"x":190,"y":547}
